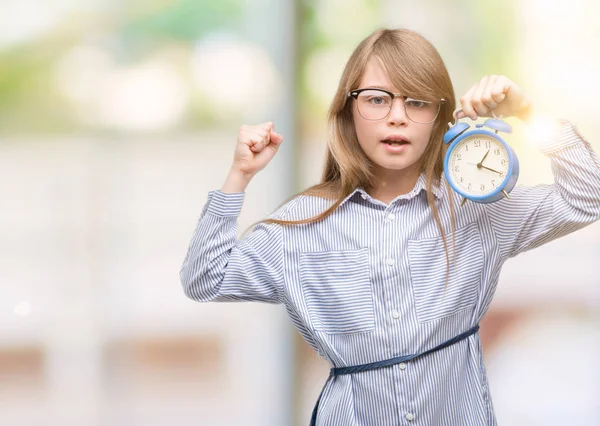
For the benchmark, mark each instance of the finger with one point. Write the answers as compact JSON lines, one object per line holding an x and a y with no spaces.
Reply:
{"x":276,"y":139}
{"x":262,"y":128}
{"x":466,"y":105}
{"x":477,"y":101}
{"x":254,"y":142}
{"x":488,"y":97}
{"x":261,"y":136}
{"x":499,"y":89}
{"x":266,"y":127}
{"x":460,"y":114}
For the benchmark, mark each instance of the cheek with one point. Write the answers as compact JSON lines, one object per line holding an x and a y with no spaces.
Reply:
{"x":365,"y":130}
{"x":359,"y":128}
{"x":425,"y":137}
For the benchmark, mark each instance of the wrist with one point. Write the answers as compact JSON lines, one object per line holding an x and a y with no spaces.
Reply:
{"x":236,"y":181}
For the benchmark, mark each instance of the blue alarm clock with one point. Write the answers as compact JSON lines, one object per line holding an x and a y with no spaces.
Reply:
{"x":479,"y":165}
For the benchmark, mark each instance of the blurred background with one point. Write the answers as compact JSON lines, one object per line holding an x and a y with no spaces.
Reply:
{"x":118,"y":117}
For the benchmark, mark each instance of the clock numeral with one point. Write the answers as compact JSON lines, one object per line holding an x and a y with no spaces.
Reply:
{"x":462,"y":179}
{"x":482,"y":187}
{"x":494,"y":183}
{"x":467,"y":147}
{"x":469,"y":186}
{"x":456,"y":169}
{"x":458,"y":157}
{"x":503,"y":162}
{"x":477,"y":144}
{"x":497,"y":151}
{"x":488,"y":144}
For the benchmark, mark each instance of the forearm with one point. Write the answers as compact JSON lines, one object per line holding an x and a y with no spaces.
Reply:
{"x":236,"y":181}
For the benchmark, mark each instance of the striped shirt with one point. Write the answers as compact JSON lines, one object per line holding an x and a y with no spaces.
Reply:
{"x":368,"y":283}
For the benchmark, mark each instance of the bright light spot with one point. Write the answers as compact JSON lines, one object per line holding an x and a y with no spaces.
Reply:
{"x":236,"y":76}
{"x":540,"y":129}
{"x":23,"y":309}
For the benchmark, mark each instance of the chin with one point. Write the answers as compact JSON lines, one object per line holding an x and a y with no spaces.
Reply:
{"x":399,"y":164}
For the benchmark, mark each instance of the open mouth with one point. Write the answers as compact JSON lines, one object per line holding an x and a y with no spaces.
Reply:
{"x":395,"y":142}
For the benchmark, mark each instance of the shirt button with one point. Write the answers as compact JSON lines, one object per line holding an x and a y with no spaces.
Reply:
{"x":395,"y":314}
{"x":402,"y":366}
{"x":390,"y":262}
{"x":364,"y":196}
{"x":391,"y":216}
{"x":410,"y":416}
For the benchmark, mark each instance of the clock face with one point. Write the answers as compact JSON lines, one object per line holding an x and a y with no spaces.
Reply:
{"x":478,"y":165}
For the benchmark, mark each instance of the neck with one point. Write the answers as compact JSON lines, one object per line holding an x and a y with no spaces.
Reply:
{"x":392,"y":183}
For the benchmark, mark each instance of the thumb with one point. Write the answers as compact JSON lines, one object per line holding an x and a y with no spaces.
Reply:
{"x":276,"y":139}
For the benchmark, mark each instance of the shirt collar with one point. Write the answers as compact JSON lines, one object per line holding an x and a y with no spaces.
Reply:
{"x":420,"y":185}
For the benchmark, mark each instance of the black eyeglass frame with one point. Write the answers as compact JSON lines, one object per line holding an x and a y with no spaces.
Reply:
{"x":354,"y":94}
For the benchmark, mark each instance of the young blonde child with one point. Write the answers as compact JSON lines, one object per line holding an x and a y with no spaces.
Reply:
{"x":381,"y":270}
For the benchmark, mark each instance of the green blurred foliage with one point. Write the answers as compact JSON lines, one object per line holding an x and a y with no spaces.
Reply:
{"x":186,"y":20}
{"x":30,"y":102}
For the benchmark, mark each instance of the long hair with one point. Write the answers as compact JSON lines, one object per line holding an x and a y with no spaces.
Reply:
{"x":416,"y":69}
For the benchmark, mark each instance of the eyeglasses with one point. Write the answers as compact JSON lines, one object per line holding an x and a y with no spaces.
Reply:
{"x":376,"y":104}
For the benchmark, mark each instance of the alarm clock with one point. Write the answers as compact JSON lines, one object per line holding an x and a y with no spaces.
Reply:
{"x":479,"y":165}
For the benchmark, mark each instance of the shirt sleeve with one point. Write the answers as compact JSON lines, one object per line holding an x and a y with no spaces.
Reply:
{"x":219,"y":267}
{"x":533,"y":216}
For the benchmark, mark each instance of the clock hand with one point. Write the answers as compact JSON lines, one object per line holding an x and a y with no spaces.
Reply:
{"x":491,"y":170}
{"x":480,"y":164}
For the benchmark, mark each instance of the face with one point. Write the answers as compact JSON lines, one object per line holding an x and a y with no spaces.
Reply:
{"x":400,"y":159}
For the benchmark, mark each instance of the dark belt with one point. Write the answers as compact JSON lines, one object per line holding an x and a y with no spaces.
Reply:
{"x":387,"y":363}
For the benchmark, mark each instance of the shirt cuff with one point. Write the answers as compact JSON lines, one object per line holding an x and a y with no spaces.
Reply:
{"x":224,"y":204}
{"x":563,"y":136}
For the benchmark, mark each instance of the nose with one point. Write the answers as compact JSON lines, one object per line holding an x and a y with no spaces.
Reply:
{"x":397,"y":115}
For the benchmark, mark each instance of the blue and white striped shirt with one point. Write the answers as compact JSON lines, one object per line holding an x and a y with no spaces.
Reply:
{"x":367,"y":283}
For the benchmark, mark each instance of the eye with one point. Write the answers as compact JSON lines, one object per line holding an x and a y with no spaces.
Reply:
{"x":378,"y":100}
{"x":415,"y":103}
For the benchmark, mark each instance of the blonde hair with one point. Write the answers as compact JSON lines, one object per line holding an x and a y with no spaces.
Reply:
{"x":416,"y":69}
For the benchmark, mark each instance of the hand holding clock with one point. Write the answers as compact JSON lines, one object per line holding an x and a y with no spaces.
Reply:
{"x":497,"y":93}
{"x":495,"y":96}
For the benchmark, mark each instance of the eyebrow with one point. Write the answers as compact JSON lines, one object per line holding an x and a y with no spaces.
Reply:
{"x":374,"y":86}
